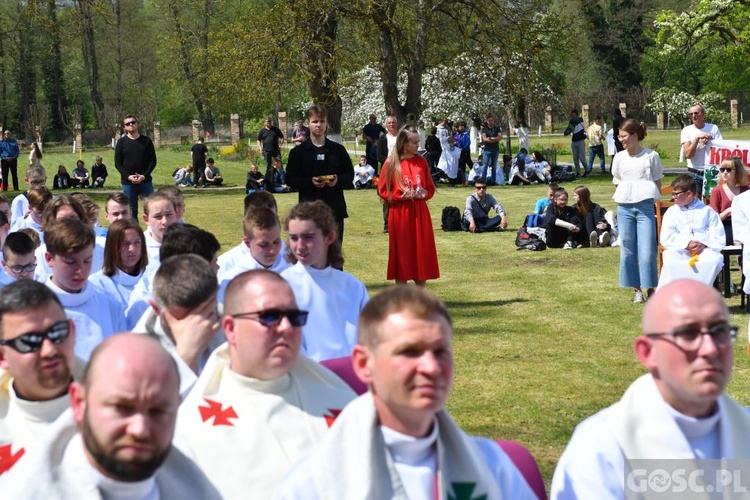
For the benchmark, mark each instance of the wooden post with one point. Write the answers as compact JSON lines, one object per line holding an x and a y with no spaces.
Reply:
{"x":157,"y":134}
{"x":660,"y":121}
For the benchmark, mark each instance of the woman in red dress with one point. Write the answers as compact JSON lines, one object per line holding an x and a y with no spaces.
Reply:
{"x":406,"y":185}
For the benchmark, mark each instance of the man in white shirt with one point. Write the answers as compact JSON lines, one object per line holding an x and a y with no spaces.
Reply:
{"x":117,"y":440}
{"x":676,"y":411}
{"x":397,"y":440}
{"x":696,"y":138}
{"x":36,"y":366}
{"x":258,"y":405}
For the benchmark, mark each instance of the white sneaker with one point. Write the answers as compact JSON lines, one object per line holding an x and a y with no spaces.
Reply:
{"x":639,"y":298}
{"x":604,"y":239}
{"x":593,"y":239}
{"x":567,"y":246}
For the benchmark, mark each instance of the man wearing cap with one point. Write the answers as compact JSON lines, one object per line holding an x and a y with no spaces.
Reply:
{"x":676,"y":411}
{"x":258,"y":405}
{"x":36,"y":365}
{"x":397,"y":440}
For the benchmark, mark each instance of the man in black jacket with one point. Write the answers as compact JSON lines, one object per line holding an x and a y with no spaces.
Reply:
{"x":135,"y":159}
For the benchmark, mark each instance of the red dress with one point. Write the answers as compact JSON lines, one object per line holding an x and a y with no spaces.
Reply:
{"x":411,"y":251}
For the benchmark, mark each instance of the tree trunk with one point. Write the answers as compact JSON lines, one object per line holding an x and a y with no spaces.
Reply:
{"x":320,"y":68}
{"x":55,"y":86}
{"x":91,"y":64}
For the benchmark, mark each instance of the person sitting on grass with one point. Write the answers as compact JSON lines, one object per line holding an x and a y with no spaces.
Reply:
{"x":562,"y":223}
{"x":80,"y":176}
{"x":363,"y":174}
{"x":262,"y":231}
{"x":98,"y":173}
{"x":255,"y":180}
{"x":692,"y":236}
{"x":476,"y":214}
{"x":542,"y":203}
{"x":62,"y":178}
{"x":542,"y":165}
{"x":276,"y":177}
{"x":593,"y":216}
{"x":181,"y":176}
{"x":521,"y":175}
{"x":212,"y":175}
{"x":70,"y":251}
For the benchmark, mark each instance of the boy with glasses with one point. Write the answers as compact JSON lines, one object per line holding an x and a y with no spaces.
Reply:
{"x":19,"y":262}
{"x":692,"y":236}
{"x":258,"y":405}
{"x":677,"y":411}
{"x":36,"y":176}
{"x":476,"y":214}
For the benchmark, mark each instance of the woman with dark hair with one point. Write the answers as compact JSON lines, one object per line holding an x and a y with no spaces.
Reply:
{"x":597,"y":227}
{"x":637,"y":173}
{"x":35,"y":155}
{"x":732,"y":181}
{"x":125,"y":259}
{"x":616,"y":122}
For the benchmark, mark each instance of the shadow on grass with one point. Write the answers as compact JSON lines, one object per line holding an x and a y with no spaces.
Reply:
{"x":456,"y":306}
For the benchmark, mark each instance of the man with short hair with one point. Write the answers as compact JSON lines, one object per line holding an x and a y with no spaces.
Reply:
{"x":596,"y":138}
{"x":117,"y":207}
{"x":19,"y":261}
{"x":258,"y":405}
{"x":320,"y":168}
{"x":577,"y":140}
{"x":37,"y":364}
{"x":300,"y":133}
{"x":491,"y":137}
{"x":677,"y":411}
{"x":696,"y":138}
{"x":99,"y":173}
{"x":198,"y":154}
{"x":397,"y":440}
{"x":270,"y":138}
{"x":9,"y":152}
{"x":371,"y":133}
{"x":184,"y":314}
{"x":477,"y":212}
{"x":117,"y":441}
{"x":386,"y":143}
{"x":135,"y":159}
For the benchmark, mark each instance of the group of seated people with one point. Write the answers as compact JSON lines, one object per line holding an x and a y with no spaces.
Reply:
{"x":221,"y":388}
{"x":274,"y":181}
{"x":81,"y":177}
{"x":570,"y":227}
{"x":211,"y":176}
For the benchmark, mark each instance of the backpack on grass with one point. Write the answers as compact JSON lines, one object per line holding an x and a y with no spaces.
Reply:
{"x":563,"y":175}
{"x":529,"y":241}
{"x":451,"y":220}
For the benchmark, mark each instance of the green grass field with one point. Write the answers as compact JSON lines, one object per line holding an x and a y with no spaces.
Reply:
{"x":542,"y":339}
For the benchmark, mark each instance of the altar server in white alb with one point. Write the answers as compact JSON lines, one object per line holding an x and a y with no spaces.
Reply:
{"x":258,"y":405}
{"x":333,"y":297}
{"x":117,"y":440}
{"x":741,"y":232}
{"x":676,"y":411}
{"x":397,"y":441}
{"x":36,"y":366}
{"x":692,"y":236}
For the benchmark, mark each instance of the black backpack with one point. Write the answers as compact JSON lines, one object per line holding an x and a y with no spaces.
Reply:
{"x":451,"y":219}
{"x":528,"y":241}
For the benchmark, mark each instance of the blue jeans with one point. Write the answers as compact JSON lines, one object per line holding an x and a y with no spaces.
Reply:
{"x":578,"y":148}
{"x":489,"y":159}
{"x":134,"y":191}
{"x":636,"y":224}
{"x":595,"y":151}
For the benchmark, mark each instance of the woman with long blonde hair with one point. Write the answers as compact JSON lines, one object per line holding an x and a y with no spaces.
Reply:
{"x":732,"y":181}
{"x":406,"y":184}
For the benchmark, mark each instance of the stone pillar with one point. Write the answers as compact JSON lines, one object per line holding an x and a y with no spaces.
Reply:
{"x":735,"y":113}
{"x":79,"y":137}
{"x":196,"y":130}
{"x":623,"y":109}
{"x":585,"y":115}
{"x":157,"y":134}
{"x":660,"y":121}
{"x":235,"y":128}
{"x":38,"y":134}
{"x":282,"y":123}
{"x":548,"y":120}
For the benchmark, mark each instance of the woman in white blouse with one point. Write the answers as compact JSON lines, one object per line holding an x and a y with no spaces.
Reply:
{"x":637,"y":173}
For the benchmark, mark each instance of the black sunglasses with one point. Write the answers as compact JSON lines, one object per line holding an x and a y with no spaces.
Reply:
{"x":480,"y":187}
{"x":273,"y":317}
{"x":32,"y":341}
{"x":725,"y":169}
{"x":130,"y":123}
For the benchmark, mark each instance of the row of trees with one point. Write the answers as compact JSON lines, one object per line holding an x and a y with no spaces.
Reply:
{"x":91,"y":61}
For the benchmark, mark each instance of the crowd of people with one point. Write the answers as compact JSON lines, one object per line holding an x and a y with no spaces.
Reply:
{"x":141,"y":364}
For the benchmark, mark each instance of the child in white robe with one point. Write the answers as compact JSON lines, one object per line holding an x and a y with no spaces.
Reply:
{"x":158,"y":213}
{"x":332,"y":297}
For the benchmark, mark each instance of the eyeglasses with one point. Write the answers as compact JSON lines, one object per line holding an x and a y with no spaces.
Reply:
{"x":18,"y":269}
{"x":127,"y":124}
{"x":623,"y":137}
{"x":32,"y":341}
{"x":37,"y":183}
{"x":690,"y":338}
{"x":675,"y":194}
{"x":725,"y":170}
{"x":480,"y":187}
{"x":273,"y":317}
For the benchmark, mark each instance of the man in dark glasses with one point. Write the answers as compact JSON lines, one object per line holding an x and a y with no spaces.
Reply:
{"x":135,"y":159}
{"x":37,"y":361}
{"x":676,"y":417}
{"x":258,"y":405}
{"x":116,"y":442}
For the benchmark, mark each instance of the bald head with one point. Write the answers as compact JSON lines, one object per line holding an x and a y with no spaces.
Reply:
{"x":132,"y":353}
{"x":677,"y":299}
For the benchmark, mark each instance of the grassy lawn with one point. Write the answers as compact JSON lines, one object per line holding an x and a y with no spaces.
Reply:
{"x":542,"y":339}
